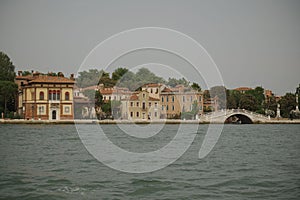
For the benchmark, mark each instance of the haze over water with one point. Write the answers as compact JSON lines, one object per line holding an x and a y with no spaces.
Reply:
{"x":249,"y":161}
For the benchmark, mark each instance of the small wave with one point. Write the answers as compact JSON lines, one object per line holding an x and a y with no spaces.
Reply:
{"x":71,"y":190}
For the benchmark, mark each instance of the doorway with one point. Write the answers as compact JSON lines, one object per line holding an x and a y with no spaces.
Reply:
{"x":54,"y":115}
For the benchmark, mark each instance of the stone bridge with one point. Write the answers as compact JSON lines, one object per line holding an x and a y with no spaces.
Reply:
{"x":241,"y":116}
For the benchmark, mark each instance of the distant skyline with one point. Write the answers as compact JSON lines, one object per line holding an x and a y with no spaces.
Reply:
{"x":253,"y":43}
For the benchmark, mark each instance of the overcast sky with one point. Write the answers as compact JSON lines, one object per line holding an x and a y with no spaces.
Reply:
{"x":252,"y":42}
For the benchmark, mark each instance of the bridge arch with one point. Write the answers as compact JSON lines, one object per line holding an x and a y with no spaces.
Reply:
{"x":238,"y":118}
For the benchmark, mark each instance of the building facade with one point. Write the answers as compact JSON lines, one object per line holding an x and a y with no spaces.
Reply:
{"x":178,"y":100}
{"x":45,"y":97}
{"x":140,"y":105}
{"x":156,"y":101}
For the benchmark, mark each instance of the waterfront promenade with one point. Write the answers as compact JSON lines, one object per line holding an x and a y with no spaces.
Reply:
{"x":168,"y":121}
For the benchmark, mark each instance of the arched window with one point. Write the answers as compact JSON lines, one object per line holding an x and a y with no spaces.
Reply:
{"x":67,"y":96}
{"x":41,"y":95}
{"x":58,"y":95}
{"x":50,"y":95}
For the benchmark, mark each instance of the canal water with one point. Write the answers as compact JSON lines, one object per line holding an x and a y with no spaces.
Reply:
{"x":248,"y":162}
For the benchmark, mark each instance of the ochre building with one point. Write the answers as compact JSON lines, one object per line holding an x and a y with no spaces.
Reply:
{"x":45,"y":97}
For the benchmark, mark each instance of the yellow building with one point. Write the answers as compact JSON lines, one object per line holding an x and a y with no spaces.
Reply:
{"x":140,"y":106}
{"x":45,"y":97}
{"x":180,"y":99}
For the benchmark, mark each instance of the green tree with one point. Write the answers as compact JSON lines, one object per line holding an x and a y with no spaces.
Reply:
{"x":172,"y":82}
{"x":119,"y":73}
{"x":258,"y":94}
{"x":8,"y":89}
{"x":233,"y":99}
{"x":8,"y":92}
{"x":195,"y":86}
{"x":7,"y":69}
{"x":270,"y":104}
{"x":248,"y":102}
{"x":93,"y":77}
{"x":287,"y":103}
{"x":26,"y":73}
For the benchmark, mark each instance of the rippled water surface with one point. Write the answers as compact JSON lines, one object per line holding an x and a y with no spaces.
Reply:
{"x":249,"y":161}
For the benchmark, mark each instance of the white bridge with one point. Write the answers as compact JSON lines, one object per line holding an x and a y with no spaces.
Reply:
{"x":235,"y":116}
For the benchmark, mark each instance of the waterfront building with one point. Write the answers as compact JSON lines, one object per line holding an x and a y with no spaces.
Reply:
{"x":45,"y":97}
{"x":178,"y":100}
{"x":154,"y":89}
{"x":114,"y":93}
{"x":243,"y":89}
{"x":211,"y":104}
{"x":140,"y":105}
{"x":167,"y":102}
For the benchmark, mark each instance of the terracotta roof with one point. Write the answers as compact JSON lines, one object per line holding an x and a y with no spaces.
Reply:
{"x":28,"y":77}
{"x":153,"y":99}
{"x":152,"y":85}
{"x":51,"y":79}
{"x":108,"y":91}
{"x":243,"y":89}
{"x":93,"y":87}
{"x":133,"y":97}
{"x":166,"y":90}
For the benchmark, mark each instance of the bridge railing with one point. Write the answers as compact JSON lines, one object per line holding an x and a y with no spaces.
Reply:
{"x":232,"y":111}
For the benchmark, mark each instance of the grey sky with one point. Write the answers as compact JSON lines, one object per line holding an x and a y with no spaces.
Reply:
{"x":252,"y":42}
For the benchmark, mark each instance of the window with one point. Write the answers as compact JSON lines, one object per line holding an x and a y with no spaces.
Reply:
{"x":167,"y":98}
{"x":41,"y":95}
{"x":137,"y":114}
{"x":183,"y":98}
{"x":151,"y":91}
{"x":67,"y":96}
{"x":131,"y":104}
{"x":50,"y":95}
{"x":173,"y":98}
{"x":191,"y":98}
{"x":155,"y":105}
{"x":54,"y":95}
{"x":199,"y":98}
{"x":162,"y":99}
{"x":144,"y":96}
{"x":41,"y":110}
{"x":173,"y":107}
{"x":131,"y":114}
{"x":144,"y":105}
{"x":149,"y":104}
{"x":58,"y":95}
{"x":155,"y":114}
{"x":137,"y":104}
{"x":67,"y":109}
{"x":167,"y":107}
{"x":162,"y":107}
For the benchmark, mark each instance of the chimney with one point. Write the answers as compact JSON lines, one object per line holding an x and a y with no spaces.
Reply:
{"x":72,"y":77}
{"x":19,"y":73}
{"x":36,"y":74}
